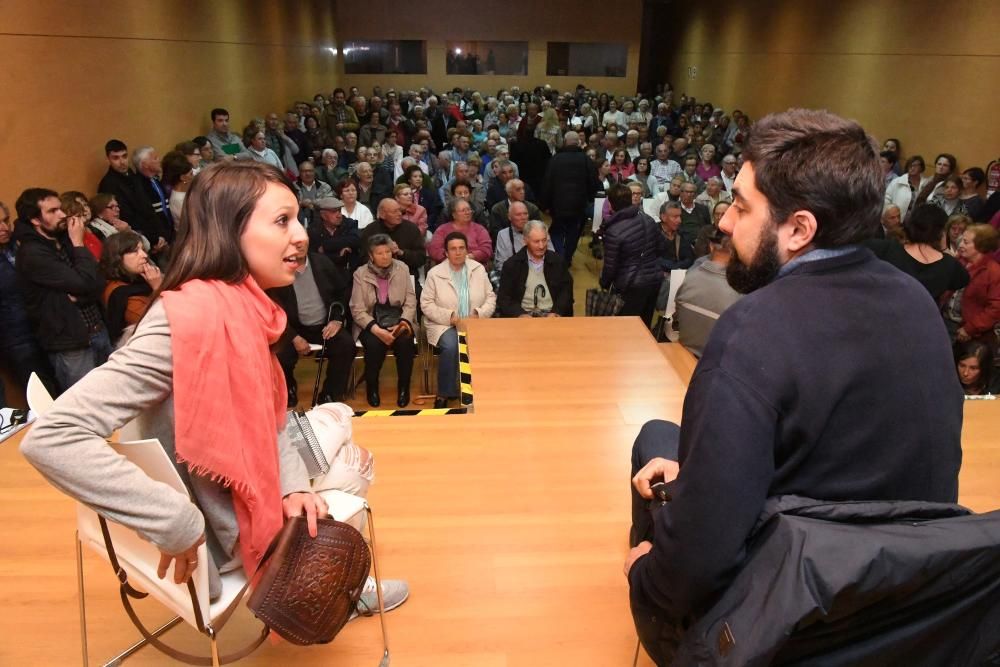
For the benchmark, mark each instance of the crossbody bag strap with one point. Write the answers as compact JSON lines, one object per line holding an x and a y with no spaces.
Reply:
{"x":127,"y":591}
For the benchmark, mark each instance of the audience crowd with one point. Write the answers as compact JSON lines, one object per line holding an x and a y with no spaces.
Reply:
{"x":395,"y":185}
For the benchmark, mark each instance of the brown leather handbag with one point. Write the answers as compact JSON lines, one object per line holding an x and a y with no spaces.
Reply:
{"x":306,"y":588}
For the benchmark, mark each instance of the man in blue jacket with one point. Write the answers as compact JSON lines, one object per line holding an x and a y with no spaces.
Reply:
{"x":831,"y":379}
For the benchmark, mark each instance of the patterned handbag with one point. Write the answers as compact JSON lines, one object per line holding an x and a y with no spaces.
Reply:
{"x":306,"y":588}
{"x":603,"y":303}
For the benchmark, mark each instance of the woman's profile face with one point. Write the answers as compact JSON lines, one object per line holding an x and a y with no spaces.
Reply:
{"x":134,"y":261}
{"x":274,"y":242}
{"x":405,"y":197}
{"x":968,"y":371}
{"x":381,"y":256}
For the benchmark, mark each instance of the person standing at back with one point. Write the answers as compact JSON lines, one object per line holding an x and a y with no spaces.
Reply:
{"x":633,"y":247}
{"x":569,"y":187}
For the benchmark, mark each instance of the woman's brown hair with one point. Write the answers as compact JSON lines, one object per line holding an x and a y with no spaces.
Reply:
{"x":216,"y":209}
{"x":115,"y":248}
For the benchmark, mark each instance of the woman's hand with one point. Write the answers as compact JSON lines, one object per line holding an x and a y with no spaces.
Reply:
{"x":152,"y":275}
{"x":962,"y":335}
{"x":312,"y":504}
{"x":383,"y":335}
{"x":454,"y":319}
{"x":185,"y":562}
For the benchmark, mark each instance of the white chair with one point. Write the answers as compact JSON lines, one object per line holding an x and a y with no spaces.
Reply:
{"x":135,"y":560}
{"x":676,"y":280}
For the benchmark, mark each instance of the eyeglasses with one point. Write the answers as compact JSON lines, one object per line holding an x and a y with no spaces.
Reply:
{"x":113,"y":206}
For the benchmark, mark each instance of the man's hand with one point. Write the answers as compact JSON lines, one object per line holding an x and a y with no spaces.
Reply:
{"x":345,"y":251}
{"x":525,"y":315}
{"x":301,"y":346}
{"x":331,"y":329}
{"x":311,"y":504}
{"x":161,"y":245}
{"x":552,"y":315}
{"x":75,"y":228}
{"x":184,"y":563}
{"x":395,"y":249}
{"x":657,"y":469}
{"x":962,"y":335}
{"x":635,"y":553}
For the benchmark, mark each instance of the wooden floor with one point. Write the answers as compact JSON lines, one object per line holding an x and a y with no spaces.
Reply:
{"x":510,"y":524}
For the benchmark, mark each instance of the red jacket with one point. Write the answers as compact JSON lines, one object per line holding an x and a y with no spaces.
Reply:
{"x":981,"y":299}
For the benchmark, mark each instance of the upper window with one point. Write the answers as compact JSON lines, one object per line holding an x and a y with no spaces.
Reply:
{"x":385,"y":57}
{"x":487,"y":58}
{"x":586,"y":59}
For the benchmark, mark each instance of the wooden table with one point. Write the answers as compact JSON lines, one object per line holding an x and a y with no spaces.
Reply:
{"x":510,"y":523}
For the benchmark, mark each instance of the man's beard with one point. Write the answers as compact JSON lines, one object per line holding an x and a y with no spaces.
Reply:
{"x":763,"y":266}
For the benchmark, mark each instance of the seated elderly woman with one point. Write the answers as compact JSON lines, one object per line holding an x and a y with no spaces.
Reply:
{"x":461,"y":220}
{"x":107,"y":221}
{"x":455,"y":290}
{"x":384,"y":308}
{"x":131,"y":279}
{"x":347,"y":192}
{"x":412,"y":211}
{"x":981,"y":298}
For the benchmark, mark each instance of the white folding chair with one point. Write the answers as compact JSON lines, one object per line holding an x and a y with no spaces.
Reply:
{"x":676,"y":280}
{"x":135,"y":560}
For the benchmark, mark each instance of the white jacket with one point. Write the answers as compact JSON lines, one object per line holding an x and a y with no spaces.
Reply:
{"x":898,"y":192}
{"x":439,"y":298}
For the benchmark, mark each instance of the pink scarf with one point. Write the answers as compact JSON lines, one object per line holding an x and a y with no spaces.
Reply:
{"x":229,"y":398}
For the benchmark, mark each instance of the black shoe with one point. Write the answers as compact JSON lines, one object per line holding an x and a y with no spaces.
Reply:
{"x":328,"y":398}
{"x":373,"y":398}
{"x":404,"y":397}
{"x":440,"y":402}
{"x":293,"y":395}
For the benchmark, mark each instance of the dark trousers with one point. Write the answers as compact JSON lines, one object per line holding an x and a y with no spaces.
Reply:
{"x":404,"y":350}
{"x":659,"y":634}
{"x":339,"y":356}
{"x":565,"y":233}
{"x":24,"y":358}
{"x":640,"y":301}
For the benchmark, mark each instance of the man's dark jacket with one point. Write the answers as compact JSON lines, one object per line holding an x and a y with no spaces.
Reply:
{"x":331,"y":285}
{"x":47,"y":283}
{"x":570,"y":183}
{"x":834,"y":381}
{"x":514,"y":277}
{"x":870,"y":583}
{"x":633,"y":246}
{"x":406,"y":235}
{"x":331,"y":245}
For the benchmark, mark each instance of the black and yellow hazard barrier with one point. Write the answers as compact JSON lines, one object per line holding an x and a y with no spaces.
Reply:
{"x":465,"y":378}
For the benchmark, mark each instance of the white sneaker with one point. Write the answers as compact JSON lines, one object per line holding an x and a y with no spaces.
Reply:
{"x":394,"y":593}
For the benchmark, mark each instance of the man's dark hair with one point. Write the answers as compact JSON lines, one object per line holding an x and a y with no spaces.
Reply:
{"x":925,"y":224}
{"x":821,"y":163}
{"x":453,"y":236}
{"x":200,"y":141}
{"x":976,"y":174}
{"x":27,"y":205}
{"x":218,"y":111}
{"x":114,"y":146}
{"x":338,"y":90}
{"x":889,"y":156}
{"x":619,"y":196}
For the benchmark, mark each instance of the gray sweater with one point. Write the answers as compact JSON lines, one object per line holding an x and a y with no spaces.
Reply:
{"x":68,"y":446}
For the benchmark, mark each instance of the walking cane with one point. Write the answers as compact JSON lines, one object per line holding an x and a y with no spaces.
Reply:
{"x":322,"y":351}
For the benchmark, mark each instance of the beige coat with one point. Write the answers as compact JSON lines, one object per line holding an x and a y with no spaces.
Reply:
{"x":439,"y":300}
{"x":363,"y":296}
